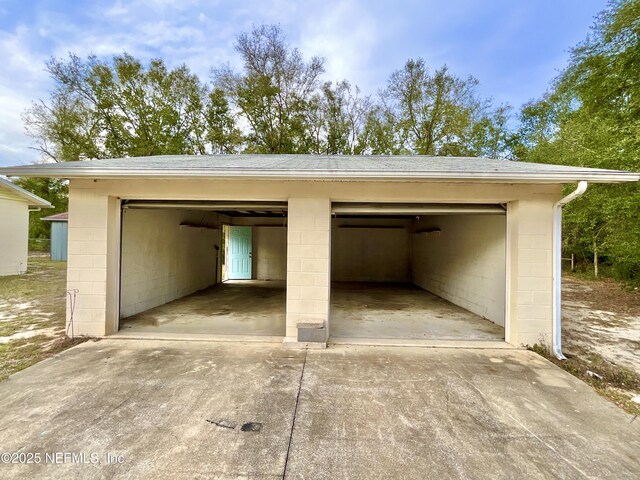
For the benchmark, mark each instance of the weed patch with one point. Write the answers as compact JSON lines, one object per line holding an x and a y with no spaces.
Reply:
{"x":616,"y":383}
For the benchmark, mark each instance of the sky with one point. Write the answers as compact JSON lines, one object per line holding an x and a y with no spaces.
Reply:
{"x":513,"y":47}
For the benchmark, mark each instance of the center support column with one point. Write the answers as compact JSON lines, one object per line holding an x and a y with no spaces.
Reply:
{"x":308,"y":272}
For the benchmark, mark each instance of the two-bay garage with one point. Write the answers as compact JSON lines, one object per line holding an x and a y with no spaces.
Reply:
{"x":418,"y":271}
{"x":398,"y":271}
{"x":313,"y":248}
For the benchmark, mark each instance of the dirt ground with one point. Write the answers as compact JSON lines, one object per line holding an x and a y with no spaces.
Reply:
{"x":601,"y":317}
{"x":32,"y":315}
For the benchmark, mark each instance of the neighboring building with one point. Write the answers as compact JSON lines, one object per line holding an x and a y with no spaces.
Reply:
{"x":314,"y":247}
{"x":59,"y":234}
{"x":15,"y":205}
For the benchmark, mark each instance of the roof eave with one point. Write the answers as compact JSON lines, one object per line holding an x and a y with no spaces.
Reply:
{"x":41,"y":205}
{"x":32,"y":199}
{"x":479,"y":176}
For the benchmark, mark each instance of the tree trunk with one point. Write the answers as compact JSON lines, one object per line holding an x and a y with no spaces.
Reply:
{"x":595,"y":258}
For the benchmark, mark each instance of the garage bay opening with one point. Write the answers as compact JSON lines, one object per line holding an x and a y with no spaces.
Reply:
{"x":203,"y":268}
{"x":418,"y":272}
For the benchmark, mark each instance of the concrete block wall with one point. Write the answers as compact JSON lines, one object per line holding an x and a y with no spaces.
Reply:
{"x":308,"y":262}
{"x":87,"y":260}
{"x":530,"y":238}
{"x":14,"y":235}
{"x":162,"y":261}
{"x":269,"y":253}
{"x":370,"y":254}
{"x":464,"y":263}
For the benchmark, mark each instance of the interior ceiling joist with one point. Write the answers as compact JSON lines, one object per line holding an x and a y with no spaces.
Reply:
{"x":339,"y":208}
{"x":380,"y":209}
{"x":245,"y":207}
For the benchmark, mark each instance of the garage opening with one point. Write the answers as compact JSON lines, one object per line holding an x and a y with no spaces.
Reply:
{"x":418,"y":272}
{"x":203,"y":268}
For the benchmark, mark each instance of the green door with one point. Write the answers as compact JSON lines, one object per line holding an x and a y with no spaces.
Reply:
{"x":239,"y":253}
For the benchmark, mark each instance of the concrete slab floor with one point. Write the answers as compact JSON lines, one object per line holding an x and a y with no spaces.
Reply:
{"x":383,"y":310}
{"x":235,"y":307}
{"x":176,"y":410}
{"x":358,"y":310}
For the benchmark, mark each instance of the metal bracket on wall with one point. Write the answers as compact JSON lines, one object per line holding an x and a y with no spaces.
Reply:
{"x":193,"y":225}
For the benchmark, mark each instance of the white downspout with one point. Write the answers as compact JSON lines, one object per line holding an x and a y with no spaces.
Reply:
{"x":557,"y":267}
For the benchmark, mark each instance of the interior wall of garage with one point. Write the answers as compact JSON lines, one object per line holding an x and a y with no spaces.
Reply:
{"x":363,"y":250}
{"x":269,"y":247}
{"x":464,"y":262}
{"x":162,"y":261}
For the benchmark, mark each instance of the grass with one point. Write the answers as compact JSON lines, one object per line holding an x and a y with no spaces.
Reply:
{"x":618,"y":384}
{"x":605,"y":274}
{"x":35,"y":299}
{"x":33,"y":304}
{"x":19,"y":354}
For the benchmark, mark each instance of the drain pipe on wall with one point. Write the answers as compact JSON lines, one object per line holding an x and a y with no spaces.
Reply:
{"x":557,"y":267}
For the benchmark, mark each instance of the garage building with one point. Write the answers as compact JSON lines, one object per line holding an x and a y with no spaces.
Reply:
{"x":309,"y":249}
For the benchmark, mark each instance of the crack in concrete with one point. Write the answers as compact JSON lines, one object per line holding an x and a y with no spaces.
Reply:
{"x":222,"y":423}
{"x":295,"y":413}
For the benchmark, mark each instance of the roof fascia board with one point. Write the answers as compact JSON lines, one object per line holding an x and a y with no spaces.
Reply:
{"x":471,"y":176}
{"x":32,"y":199}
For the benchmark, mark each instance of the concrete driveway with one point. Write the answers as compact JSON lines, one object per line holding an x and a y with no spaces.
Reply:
{"x":177,"y":410}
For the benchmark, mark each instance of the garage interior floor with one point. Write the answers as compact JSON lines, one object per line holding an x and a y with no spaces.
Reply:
{"x":395,"y":311}
{"x":235,"y":307}
{"x":359,"y":310}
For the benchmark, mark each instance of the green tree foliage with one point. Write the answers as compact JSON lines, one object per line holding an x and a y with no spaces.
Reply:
{"x":119,"y":108}
{"x":273,"y":92}
{"x":278,"y":103}
{"x":336,"y":117}
{"x":223,"y":135}
{"x":591,"y":117}
{"x":52,"y":189}
{"x":436,"y":114}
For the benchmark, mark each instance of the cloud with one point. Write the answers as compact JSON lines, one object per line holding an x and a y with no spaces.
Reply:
{"x":513,"y":48}
{"x":177,"y":31}
{"x":117,"y":10}
{"x":346,"y":36}
{"x":23,"y":81}
{"x":14,"y":143}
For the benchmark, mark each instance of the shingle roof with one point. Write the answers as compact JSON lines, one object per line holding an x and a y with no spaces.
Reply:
{"x":30,"y":198}
{"x":323,"y":167}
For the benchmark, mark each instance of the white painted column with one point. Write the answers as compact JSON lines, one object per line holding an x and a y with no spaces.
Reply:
{"x":308,"y":263}
{"x":87,"y":260}
{"x":529,"y":261}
